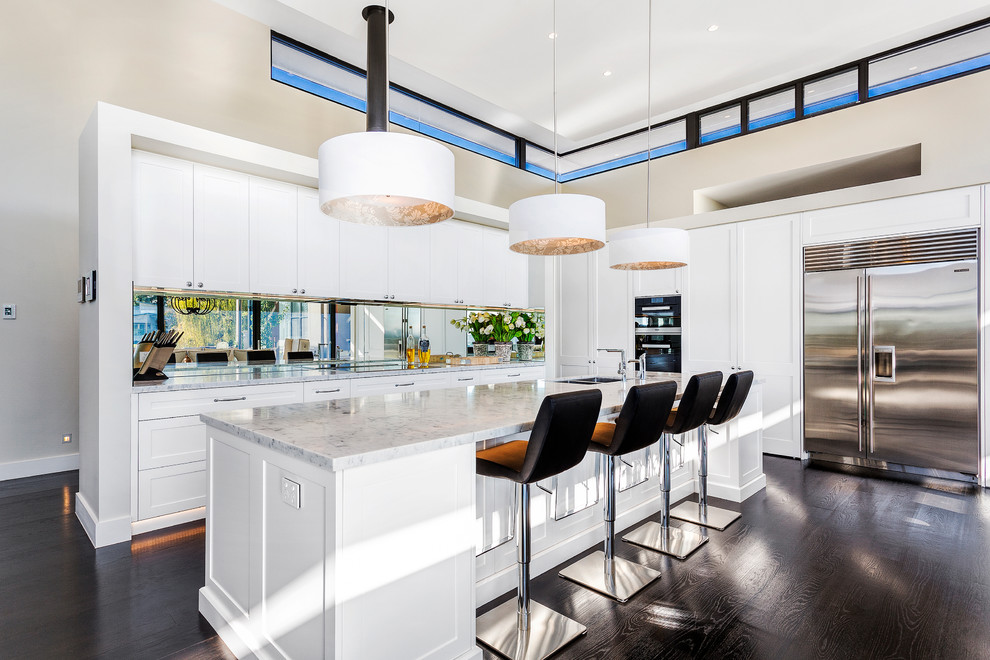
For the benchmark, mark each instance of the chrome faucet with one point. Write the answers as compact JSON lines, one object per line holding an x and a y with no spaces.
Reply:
{"x":640,"y":363}
{"x":622,"y":360}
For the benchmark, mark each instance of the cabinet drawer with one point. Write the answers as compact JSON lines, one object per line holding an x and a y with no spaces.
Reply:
{"x":466,"y":378}
{"x":171,"y":441}
{"x":327,"y":390}
{"x":158,"y":405}
{"x":511,"y":375}
{"x":170,"y":489}
{"x":398,"y":384}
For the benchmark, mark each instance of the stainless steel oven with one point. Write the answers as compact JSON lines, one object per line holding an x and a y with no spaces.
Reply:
{"x":657,"y":324}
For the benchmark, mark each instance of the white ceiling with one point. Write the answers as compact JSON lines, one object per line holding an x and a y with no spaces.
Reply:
{"x":494,"y":60}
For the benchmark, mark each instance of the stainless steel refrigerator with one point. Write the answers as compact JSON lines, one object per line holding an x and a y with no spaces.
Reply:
{"x":891,"y":354}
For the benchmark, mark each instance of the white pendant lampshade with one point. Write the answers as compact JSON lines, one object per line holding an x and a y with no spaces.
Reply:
{"x":557,"y":224}
{"x":380,"y":178}
{"x":652,"y":248}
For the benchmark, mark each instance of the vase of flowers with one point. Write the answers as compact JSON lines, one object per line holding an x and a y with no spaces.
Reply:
{"x":501,"y":328}
{"x":473,"y":324}
{"x":533,"y":328}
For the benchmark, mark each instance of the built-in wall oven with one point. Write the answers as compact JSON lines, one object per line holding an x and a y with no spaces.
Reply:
{"x":658,"y":332}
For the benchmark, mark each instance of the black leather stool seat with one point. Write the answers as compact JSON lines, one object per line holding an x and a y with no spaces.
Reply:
{"x":639,"y":425}
{"x":558,"y":441}
{"x":733,"y":397}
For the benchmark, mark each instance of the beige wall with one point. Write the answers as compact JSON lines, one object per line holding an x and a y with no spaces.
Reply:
{"x":198,"y":63}
{"x":947,"y":119}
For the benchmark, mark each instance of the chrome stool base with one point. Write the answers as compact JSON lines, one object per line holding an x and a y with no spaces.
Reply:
{"x":627,"y":578}
{"x":715,"y":517}
{"x":674,"y":541}
{"x":549,"y":631}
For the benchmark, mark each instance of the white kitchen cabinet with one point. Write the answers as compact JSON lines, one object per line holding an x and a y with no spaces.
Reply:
{"x":171,"y":441}
{"x":409,"y":263}
{"x":614,"y":323}
{"x":318,"y":250}
{"x":517,"y":279}
{"x":273,"y":238}
{"x":326,"y":390}
{"x":416,"y":382}
{"x":575,"y":332}
{"x":495,"y":256}
{"x":222,"y":229}
{"x":743,"y":312}
{"x":657,"y":282}
{"x":363,"y":261}
{"x":171,"y":489}
{"x":470,"y":265}
{"x":162,"y":203}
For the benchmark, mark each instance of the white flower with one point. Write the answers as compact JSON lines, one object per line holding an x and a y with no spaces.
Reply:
{"x":489,"y":328}
{"x":507,"y":317}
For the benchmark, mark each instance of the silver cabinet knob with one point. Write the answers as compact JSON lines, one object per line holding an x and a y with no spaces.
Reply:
{"x":294,"y":291}
{"x":302,"y":290}
{"x":199,"y":284}
{"x":189,"y":283}
{"x":392,"y":297}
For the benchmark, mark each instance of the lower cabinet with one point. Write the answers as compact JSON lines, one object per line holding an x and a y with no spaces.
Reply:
{"x":171,"y":489}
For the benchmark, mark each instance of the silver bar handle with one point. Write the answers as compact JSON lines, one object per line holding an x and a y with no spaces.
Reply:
{"x":870,"y":441}
{"x":664,"y":308}
{"x":404,"y":384}
{"x":240,"y":398}
{"x":461,"y":380}
{"x":327,"y":391}
{"x":859,"y":361}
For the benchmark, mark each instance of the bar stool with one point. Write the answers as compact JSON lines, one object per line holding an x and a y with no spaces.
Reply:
{"x":559,"y":440}
{"x":692,"y":411}
{"x":638,"y":426}
{"x":730,"y":402}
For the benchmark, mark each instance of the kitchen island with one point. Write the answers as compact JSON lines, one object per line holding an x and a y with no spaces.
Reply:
{"x":346,"y":528}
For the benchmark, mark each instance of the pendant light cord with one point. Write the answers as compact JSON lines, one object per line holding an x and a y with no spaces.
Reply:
{"x":649,"y":100}
{"x":556,"y":156}
{"x":388,"y":49}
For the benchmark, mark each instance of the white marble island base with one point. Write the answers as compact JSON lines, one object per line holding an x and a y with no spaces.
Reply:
{"x":378,"y":561}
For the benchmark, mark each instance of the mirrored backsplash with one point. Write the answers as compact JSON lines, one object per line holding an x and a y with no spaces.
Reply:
{"x":353,"y":331}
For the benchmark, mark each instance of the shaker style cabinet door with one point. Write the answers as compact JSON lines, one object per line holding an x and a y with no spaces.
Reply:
{"x":163,"y":221}
{"x":318,"y":249}
{"x":409,"y":263}
{"x":496,"y":260}
{"x":222,"y":230}
{"x":273,"y":237}
{"x":665,"y":282}
{"x":470,"y":267}
{"x":578,"y":305}
{"x":517,"y":279}
{"x":444,"y":250}
{"x":363,"y":261}
{"x":709,"y":312}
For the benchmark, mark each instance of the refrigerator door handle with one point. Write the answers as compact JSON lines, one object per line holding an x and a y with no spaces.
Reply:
{"x":859,"y":361}
{"x":870,"y":374}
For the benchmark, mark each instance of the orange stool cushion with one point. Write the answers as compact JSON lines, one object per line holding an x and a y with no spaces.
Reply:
{"x":671,"y":417}
{"x":603,"y":433}
{"x":511,"y":454}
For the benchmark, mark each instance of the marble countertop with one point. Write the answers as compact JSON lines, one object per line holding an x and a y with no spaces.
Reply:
{"x":336,"y":435}
{"x":198,"y":377}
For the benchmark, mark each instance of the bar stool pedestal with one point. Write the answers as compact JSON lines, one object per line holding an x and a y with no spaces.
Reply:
{"x":661,"y":537}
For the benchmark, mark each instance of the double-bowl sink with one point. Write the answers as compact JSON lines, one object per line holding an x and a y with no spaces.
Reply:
{"x":590,"y":380}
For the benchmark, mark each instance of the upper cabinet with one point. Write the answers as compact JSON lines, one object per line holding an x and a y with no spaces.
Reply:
{"x":318,"y":267}
{"x":221,"y":229}
{"x":202,"y":228}
{"x":163,"y":221}
{"x":665,"y":282}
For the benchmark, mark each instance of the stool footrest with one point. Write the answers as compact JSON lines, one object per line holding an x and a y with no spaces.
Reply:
{"x":626,"y":580}
{"x":716,"y":518}
{"x":548,"y":631}
{"x":674,"y":541}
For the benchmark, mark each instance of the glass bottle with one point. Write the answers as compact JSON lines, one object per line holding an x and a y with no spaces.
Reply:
{"x":424,"y":347}
{"x":410,"y":350}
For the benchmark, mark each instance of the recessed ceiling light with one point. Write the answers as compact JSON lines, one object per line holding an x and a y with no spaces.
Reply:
{"x":912,"y":68}
{"x":810,"y":91}
{"x":728,"y":116}
{"x":606,"y":73}
{"x":552,"y":35}
{"x":712,"y":28}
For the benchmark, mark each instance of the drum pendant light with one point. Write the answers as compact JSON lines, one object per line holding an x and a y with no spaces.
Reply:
{"x":650,"y":248}
{"x":549,"y":225}
{"x":378,"y":177}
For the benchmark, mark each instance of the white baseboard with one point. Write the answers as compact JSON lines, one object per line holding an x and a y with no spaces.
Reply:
{"x":505,"y":580}
{"x":102,"y":532}
{"x":737,"y":493}
{"x":230,"y":626}
{"x":161,"y":522}
{"x":38,"y":466}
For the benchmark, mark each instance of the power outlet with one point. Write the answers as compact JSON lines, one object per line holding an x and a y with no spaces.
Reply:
{"x":291,"y":493}
{"x":9,"y":311}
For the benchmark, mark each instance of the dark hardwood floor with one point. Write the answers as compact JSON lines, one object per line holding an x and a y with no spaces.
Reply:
{"x":823,"y":564}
